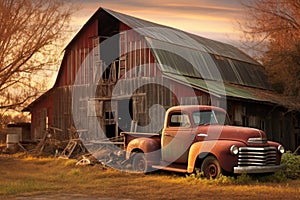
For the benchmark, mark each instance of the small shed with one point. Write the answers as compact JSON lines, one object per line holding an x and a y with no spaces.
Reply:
{"x":20,"y":129}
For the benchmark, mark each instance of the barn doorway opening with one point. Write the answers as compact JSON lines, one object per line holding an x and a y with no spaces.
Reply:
{"x":125,"y":113}
{"x":110,"y":130}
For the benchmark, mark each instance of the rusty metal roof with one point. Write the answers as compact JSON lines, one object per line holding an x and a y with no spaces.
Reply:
{"x":182,"y":53}
{"x":228,"y":90}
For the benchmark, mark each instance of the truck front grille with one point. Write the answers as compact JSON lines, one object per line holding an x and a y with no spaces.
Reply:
{"x":257,"y":156}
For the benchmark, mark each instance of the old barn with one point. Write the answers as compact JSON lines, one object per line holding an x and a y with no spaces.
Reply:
{"x":120,"y":72}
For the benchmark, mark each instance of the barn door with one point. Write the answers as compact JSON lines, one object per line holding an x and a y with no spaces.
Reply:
{"x":125,"y":115}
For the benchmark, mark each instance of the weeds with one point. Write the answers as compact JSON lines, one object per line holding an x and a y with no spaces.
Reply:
{"x":292,"y":163}
{"x":242,"y":179}
{"x":199,"y":177}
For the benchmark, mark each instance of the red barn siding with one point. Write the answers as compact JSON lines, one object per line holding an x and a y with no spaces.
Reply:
{"x":42,"y":112}
{"x":75,"y":55}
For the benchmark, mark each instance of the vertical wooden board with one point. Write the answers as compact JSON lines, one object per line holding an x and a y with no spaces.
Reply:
{"x":131,"y":85}
{"x":91,"y":128}
{"x":135,"y":109}
{"x":64,"y":109}
{"x":83,"y":109}
{"x":69,"y":110}
{"x":134,"y":81}
{"x":124,"y":85}
{"x":60,"y":112}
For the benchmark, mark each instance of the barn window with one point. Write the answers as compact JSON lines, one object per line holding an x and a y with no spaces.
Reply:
{"x":109,"y":115}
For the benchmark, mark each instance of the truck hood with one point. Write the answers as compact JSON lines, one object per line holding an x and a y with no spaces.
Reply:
{"x":237,"y":133}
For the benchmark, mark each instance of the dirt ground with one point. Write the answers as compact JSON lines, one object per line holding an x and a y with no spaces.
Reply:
{"x":63,"y":197}
{"x":48,"y":178}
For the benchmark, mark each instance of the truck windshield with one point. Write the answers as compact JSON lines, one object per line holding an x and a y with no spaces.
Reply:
{"x":207,"y":117}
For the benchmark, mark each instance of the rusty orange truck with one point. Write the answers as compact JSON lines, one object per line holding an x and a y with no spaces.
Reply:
{"x":199,"y":137}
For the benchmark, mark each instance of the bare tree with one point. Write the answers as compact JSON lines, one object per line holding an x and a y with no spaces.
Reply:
{"x":272,"y":28}
{"x":31,"y":32}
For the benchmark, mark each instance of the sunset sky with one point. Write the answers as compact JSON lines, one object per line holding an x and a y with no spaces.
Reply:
{"x":214,"y":19}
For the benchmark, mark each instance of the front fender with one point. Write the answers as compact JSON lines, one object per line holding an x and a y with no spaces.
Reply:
{"x":278,"y":154}
{"x":150,"y":147}
{"x":220,"y":149}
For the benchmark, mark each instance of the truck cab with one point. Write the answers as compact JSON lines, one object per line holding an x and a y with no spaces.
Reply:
{"x":200,"y":137}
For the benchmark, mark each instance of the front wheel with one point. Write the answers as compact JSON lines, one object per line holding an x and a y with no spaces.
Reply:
{"x":211,"y":167}
{"x":139,"y":163}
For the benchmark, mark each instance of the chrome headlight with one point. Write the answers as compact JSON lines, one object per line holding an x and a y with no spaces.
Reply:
{"x":281,"y":149}
{"x":234,"y":150}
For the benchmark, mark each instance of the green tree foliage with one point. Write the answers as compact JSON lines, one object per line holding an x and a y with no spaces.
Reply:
{"x":31,"y":32}
{"x":272,"y":28}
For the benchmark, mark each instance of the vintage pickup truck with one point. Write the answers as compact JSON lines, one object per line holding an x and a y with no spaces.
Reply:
{"x":198,"y":137}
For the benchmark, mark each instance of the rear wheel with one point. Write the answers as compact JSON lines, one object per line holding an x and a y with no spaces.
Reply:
{"x":211,"y":167}
{"x":139,"y":163}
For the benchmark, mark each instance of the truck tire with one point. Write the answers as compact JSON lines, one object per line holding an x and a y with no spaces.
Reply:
{"x":211,"y":167}
{"x":139,"y":163}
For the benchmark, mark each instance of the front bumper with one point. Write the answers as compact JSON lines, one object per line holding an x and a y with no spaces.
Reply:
{"x":258,"y":169}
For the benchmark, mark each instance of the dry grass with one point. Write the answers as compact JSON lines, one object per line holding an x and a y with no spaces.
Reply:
{"x":45,"y":177}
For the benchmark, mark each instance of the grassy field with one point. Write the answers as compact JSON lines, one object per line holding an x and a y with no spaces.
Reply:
{"x":28,"y":177}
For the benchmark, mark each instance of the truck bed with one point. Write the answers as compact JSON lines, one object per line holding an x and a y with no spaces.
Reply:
{"x":128,"y":136}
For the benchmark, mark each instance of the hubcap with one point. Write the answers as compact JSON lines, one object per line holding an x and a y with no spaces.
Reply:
{"x":140,"y":165}
{"x":212,"y":170}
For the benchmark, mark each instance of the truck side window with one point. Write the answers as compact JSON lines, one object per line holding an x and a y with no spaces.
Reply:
{"x":179,"y":120}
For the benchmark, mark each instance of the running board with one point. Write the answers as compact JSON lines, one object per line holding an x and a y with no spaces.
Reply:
{"x":173,"y":169}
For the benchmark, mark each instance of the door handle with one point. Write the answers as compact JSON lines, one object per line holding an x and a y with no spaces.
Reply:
{"x":167,"y":134}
